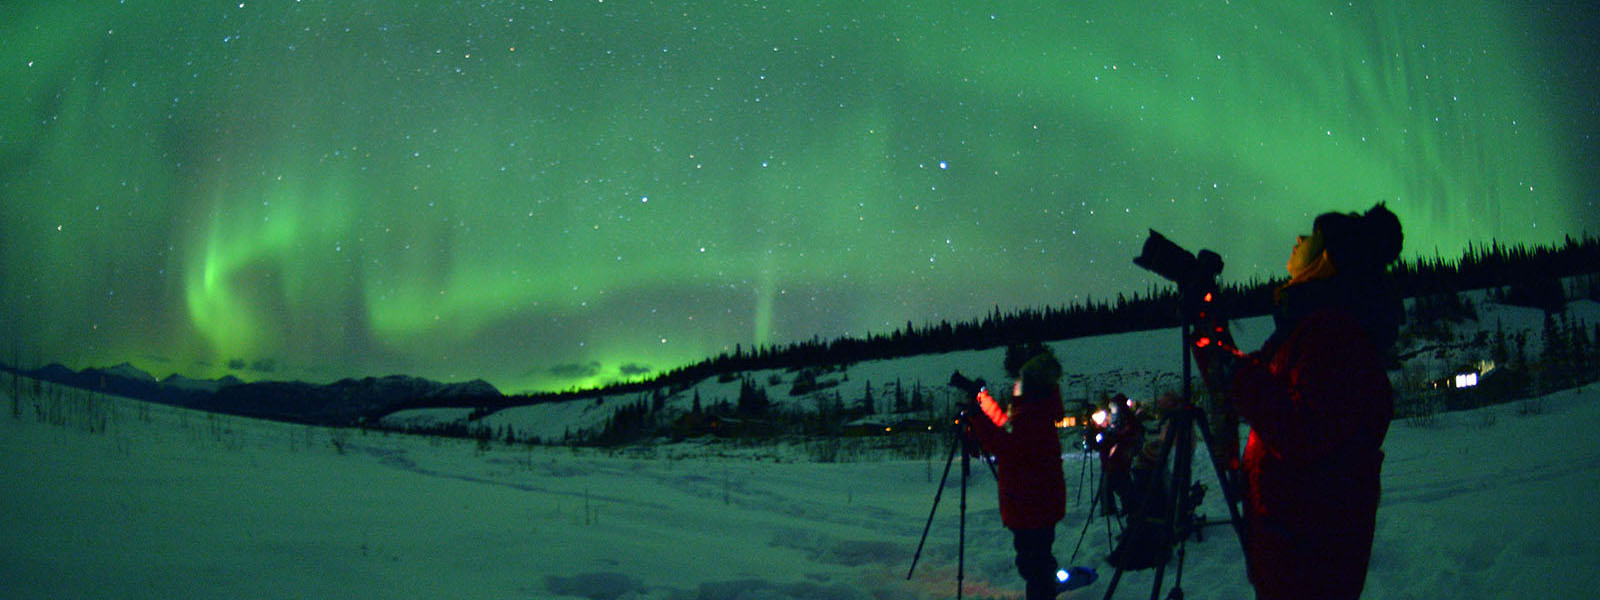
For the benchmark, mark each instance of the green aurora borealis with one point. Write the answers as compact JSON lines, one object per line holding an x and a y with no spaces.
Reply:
{"x":562,"y":193}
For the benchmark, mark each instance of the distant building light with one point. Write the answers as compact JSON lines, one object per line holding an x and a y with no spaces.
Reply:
{"x":1466,"y":380}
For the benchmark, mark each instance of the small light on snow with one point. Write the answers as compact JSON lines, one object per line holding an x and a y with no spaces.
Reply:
{"x":943,"y":165}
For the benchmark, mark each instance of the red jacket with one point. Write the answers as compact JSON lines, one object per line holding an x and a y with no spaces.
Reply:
{"x":1033,"y":491}
{"x":1318,"y":402}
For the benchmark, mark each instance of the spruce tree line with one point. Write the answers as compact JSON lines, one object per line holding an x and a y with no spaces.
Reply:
{"x":1528,"y":276}
{"x":1525,"y":276}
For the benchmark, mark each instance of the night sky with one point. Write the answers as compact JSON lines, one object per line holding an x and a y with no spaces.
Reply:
{"x":564,"y":193}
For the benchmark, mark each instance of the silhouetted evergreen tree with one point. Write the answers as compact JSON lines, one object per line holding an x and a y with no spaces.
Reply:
{"x":1579,"y":349}
{"x":753,"y":400}
{"x":1500,"y":348}
{"x":899,"y":398}
{"x":1544,"y":293}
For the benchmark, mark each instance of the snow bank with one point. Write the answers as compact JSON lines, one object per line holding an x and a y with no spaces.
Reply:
{"x":165,"y":503}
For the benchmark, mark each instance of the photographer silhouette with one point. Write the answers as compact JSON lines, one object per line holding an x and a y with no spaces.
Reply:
{"x":1027,"y":450}
{"x":1318,"y":401}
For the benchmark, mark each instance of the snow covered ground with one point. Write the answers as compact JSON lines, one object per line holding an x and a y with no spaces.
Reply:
{"x":164,"y":503}
{"x":129,"y":500}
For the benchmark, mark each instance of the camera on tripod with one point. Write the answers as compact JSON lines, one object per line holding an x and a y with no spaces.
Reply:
{"x":968,"y":449}
{"x":1165,"y":515}
{"x":971,"y":387}
{"x":1196,"y":276}
{"x":1193,"y":274}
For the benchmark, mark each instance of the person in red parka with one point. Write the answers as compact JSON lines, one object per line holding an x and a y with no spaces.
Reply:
{"x":1318,"y":401}
{"x":1027,"y":452}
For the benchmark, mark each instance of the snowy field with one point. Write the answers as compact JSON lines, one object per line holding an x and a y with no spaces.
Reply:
{"x":162,"y":503}
{"x":114,"y":498}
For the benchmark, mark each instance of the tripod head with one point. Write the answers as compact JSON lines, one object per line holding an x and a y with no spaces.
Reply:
{"x":969,"y":405}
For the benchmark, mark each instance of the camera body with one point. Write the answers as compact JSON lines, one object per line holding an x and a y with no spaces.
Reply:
{"x":1193,"y":274}
{"x":971,"y":387}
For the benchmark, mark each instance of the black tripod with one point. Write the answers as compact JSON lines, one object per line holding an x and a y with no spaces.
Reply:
{"x":963,"y":444}
{"x":1179,"y":425}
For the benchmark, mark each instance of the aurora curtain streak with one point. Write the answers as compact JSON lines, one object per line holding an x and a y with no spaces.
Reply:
{"x":562,"y":194}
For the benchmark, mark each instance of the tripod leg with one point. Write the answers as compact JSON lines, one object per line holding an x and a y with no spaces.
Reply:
{"x":961,"y":552}
{"x":1111,"y":588}
{"x":1088,"y":519}
{"x":1083,"y":473}
{"x":1178,"y":492}
{"x":1230,"y":485}
{"x":954,"y":447}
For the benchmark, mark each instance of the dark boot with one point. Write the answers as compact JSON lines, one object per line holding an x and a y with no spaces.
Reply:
{"x":1035,"y":562}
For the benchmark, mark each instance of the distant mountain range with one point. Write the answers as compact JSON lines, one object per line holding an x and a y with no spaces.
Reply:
{"x":342,"y":403}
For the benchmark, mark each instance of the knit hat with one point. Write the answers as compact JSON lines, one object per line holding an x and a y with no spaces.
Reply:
{"x":1040,"y":372}
{"x":1361,"y":243}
